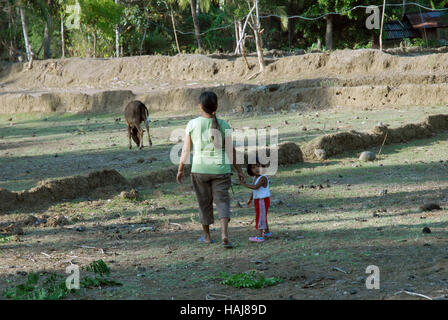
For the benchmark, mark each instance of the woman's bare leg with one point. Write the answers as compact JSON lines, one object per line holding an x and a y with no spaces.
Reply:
{"x":225,"y":230}
{"x":206,"y":229}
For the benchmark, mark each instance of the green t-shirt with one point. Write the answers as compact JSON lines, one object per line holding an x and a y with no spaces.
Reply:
{"x":205,"y":158}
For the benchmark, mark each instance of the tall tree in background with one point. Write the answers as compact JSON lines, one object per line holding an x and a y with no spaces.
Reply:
{"x":25,"y":31}
{"x":205,"y":7}
{"x":101,"y":16}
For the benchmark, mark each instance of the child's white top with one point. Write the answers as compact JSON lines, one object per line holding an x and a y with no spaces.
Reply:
{"x":261,"y":192}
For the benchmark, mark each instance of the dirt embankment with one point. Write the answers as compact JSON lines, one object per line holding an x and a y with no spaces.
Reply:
{"x":357,"y":78}
{"x":333,"y":144}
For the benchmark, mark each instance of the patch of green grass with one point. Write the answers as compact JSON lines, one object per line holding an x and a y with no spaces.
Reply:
{"x":6,"y":239}
{"x":250,"y":279}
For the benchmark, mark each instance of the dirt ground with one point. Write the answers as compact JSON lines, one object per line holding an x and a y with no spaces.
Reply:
{"x":331,"y":219}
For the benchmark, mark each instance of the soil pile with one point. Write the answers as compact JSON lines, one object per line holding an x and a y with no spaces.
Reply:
{"x":337,"y":143}
{"x":49,"y":191}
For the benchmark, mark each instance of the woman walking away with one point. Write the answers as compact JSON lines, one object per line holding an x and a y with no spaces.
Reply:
{"x":210,"y":171}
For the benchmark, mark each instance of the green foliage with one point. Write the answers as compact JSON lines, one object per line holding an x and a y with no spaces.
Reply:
{"x":37,"y":288}
{"x":101,"y":15}
{"x":250,"y":279}
{"x":98,"y":267}
{"x":100,"y":279}
{"x":145,"y":26}
{"x":6,"y":239}
{"x":53,"y":286}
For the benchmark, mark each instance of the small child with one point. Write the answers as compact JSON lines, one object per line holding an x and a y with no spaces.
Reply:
{"x":261,"y":197}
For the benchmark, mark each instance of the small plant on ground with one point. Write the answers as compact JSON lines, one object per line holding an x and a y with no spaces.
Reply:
{"x":250,"y":279}
{"x":37,"y":288}
{"x":6,"y":239}
{"x":101,"y":276}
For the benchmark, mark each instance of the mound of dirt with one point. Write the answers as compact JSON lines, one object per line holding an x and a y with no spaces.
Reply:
{"x":430,"y":206}
{"x":29,"y":221}
{"x":12,"y":229}
{"x":337,"y":143}
{"x":159,"y":176}
{"x":355,"y":78}
{"x":288,"y":153}
{"x":57,"y":221}
{"x":131,"y":195}
{"x":49,"y":191}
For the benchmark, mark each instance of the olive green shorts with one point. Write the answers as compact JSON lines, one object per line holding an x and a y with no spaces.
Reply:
{"x":211,"y":188}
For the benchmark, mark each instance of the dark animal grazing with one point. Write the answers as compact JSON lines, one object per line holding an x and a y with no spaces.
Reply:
{"x":136,"y":113}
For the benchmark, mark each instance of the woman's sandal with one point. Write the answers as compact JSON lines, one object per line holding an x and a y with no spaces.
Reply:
{"x":202,"y":240}
{"x":228,"y":245}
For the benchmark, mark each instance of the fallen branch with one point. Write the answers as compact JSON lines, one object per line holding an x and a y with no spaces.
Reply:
{"x":46,"y":254}
{"x":340,"y":270}
{"x":216,"y":296}
{"x":176,"y":224}
{"x":254,"y":75}
{"x":384,"y":141}
{"x":414,"y":294}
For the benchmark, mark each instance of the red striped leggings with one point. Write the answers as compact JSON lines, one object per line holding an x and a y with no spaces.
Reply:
{"x":261,"y":213}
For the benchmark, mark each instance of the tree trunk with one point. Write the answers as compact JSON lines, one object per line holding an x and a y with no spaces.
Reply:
{"x":117,"y":48}
{"x":196,"y":24}
{"x":259,"y":40}
{"x":259,"y":45}
{"x":141,"y":44}
{"x":382,"y":23}
{"x":237,"y":38}
{"x":174,"y":29}
{"x":62,"y":36}
{"x":319,"y":44}
{"x":329,"y":32}
{"x":291,"y":32}
{"x":25,"y":33}
{"x":47,"y":43}
{"x":94,"y":43}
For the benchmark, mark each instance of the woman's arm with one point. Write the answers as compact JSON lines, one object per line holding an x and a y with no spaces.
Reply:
{"x":183,"y":158}
{"x":231,"y":154}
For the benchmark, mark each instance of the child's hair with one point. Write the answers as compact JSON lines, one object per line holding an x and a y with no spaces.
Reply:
{"x":249,"y":167}
{"x":209,"y":103}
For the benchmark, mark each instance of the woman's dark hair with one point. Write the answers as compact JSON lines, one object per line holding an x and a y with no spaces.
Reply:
{"x":209,"y":103}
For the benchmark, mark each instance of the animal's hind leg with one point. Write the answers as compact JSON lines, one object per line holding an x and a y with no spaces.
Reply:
{"x":140,"y":135}
{"x":129,"y":135}
{"x":149,"y":136}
